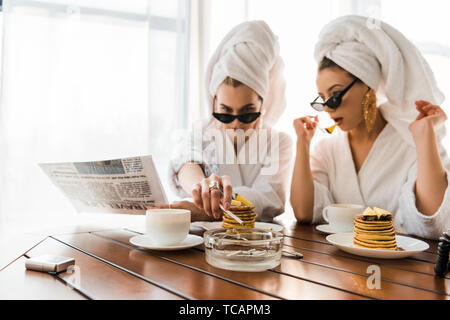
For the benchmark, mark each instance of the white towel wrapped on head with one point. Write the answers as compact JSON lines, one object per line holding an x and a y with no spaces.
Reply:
{"x":249,"y":53}
{"x":386,"y":61}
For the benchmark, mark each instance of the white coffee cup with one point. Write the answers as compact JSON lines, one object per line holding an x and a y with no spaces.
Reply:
{"x":167,"y":227}
{"x":340,"y":216}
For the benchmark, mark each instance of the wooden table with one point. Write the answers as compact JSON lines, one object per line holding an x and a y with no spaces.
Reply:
{"x":108,"y":266}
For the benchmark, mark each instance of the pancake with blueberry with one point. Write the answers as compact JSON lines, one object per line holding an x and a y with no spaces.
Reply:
{"x":374,"y":229}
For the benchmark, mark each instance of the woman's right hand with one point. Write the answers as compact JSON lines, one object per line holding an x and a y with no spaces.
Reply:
{"x":305,"y":127}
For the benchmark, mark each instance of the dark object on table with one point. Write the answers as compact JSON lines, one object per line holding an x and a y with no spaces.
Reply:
{"x":442,"y":264}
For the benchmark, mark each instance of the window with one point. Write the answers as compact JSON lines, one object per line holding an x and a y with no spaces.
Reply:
{"x":431,"y":37}
{"x":100,"y":79}
{"x":86,"y":80}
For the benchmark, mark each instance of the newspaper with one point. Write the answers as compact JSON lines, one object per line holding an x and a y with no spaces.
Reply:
{"x":127,"y":185}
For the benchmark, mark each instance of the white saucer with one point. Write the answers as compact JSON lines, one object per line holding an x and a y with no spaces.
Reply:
{"x":326,"y":228}
{"x":144,"y":242}
{"x":411,"y":246}
{"x":207,"y":225}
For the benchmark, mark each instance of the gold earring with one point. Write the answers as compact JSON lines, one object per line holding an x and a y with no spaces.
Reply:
{"x":369,"y":105}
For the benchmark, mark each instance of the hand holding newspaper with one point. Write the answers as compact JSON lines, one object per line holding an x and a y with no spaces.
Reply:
{"x":128,"y":185}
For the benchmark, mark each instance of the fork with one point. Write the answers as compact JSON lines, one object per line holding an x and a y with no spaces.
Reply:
{"x":215,"y":185}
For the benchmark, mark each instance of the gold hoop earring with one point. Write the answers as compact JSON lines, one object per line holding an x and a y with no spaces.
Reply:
{"x":369,"y":106}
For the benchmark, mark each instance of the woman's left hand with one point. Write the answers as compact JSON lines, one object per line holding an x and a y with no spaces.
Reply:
{"x":430,"y":116}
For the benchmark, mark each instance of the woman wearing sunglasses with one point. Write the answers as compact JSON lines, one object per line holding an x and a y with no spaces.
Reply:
{"x":387,"y":151}
{"x":236,"y":149}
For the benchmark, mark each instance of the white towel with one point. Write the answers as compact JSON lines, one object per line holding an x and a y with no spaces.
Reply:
{"x":249,"y":53}
{"x":387,"y":62}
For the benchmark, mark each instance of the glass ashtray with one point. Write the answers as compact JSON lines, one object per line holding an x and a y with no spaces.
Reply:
{"x":253,"y":250}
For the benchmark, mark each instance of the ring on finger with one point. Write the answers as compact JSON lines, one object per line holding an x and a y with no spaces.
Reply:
{"x":213,"y":184}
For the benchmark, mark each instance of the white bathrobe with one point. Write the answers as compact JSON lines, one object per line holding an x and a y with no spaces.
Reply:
{"x":385,"y":180}
{"x":263,"y":181}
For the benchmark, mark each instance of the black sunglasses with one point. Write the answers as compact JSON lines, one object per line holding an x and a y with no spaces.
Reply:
{"x":332,"y":102}
{"x":244,"y":118}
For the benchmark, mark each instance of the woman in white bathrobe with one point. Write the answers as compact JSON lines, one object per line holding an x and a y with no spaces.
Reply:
{"x":236,"y":147}
{"x":386,"y":155}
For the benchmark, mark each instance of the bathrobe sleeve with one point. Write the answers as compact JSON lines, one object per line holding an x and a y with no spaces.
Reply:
{"x":321,"y":165}
{"x":414,"y":222}
{"x":268,"y":191}
{"x":192,"y":148}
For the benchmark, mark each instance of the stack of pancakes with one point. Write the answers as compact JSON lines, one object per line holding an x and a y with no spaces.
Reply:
{"x":242,"y":211}
{"x":374,"y":229}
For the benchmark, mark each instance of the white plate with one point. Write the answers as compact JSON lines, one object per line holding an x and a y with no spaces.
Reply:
{"x":207,"y":225}
{"x":411,"y":246}
{"x":144,"y":242}
{"x":326,"y":228}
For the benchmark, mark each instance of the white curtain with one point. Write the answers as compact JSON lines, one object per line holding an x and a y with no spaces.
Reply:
{"x":86,"y":80}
